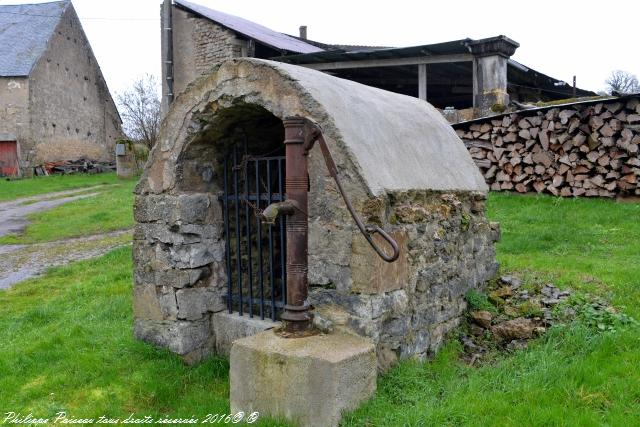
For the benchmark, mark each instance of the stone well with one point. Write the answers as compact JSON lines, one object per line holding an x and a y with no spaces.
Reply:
{"x":401,"y":164}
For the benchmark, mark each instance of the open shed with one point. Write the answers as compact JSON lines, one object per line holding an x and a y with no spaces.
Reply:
{"x":207,"y":271}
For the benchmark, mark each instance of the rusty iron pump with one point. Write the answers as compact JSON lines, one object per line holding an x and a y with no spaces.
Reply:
{"x":300,"y":137}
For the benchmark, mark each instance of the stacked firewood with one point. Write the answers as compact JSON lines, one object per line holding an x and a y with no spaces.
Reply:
{"x":577,"y":150}
{"x":67,"y":167}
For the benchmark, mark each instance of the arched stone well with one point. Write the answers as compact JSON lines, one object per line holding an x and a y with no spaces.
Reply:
{"x":401,"y":164}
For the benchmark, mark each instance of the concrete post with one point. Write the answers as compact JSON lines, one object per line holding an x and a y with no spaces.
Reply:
{"x":422,"y":81}
{"x":490,"y":72}
{"x":125,"y":160}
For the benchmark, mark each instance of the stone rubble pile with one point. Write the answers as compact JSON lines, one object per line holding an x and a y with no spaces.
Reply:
{"x":517,"y":315}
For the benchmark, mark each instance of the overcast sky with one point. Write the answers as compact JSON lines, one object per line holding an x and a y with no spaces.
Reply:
{"x":558,"y":38}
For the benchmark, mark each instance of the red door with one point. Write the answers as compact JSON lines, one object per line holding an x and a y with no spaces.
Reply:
{"x":8,"y":158}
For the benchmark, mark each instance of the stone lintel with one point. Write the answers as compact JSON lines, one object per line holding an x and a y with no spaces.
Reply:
{"x":310,"y":381}
{"x":498,"y":45}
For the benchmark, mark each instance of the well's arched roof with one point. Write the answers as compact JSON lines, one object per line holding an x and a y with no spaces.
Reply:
{"x":400,"y":142}
{"x":396,"y":142}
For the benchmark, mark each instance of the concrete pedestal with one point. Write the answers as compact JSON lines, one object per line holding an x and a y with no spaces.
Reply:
{"x":309,"y":381}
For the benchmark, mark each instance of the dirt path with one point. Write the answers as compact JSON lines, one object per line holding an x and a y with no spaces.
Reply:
{"x":13,"y":214}
{"x":21,"y":262}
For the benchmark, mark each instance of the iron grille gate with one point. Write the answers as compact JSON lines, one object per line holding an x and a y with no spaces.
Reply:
{"x":255,"y":252}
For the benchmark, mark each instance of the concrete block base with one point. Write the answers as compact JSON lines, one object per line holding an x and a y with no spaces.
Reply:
{"x":309,"y":381}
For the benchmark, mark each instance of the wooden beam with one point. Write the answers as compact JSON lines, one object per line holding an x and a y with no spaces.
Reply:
{"x":392,"y":62}
{"x":422,"y":81}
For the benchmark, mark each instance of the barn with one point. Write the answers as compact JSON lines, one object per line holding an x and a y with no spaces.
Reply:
{"x":54,"y":101}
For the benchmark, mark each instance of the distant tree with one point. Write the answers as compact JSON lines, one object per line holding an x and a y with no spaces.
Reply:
{"x":622,"y":83}
{"x":140,"y":110}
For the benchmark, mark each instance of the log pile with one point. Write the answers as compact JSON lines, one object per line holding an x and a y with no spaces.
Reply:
{"x":577,"y":150}
{"x":68,"y":167}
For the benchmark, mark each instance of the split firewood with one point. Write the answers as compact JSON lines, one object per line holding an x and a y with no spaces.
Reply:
{"x":583,"y":150}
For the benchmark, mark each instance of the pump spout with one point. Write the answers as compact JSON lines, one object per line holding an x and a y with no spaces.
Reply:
{"x":271,"y":213}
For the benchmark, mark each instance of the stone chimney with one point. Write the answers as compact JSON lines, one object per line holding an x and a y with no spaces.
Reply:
{"x":303,"y":32}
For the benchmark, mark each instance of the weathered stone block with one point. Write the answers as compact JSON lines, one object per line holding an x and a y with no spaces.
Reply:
{"x":392,"y":304}
{"x":153,"y":302}
{"x":202,"y":231}
{"x":299,"y":379}
{"x":181,"y":278}
{"x":146,"y":304}
{"x":152,"y":208}
{"x":197,"y":254}
{"x":193,"y":303}
{"x":228,"y":327}
{"x":193,"y":208}
{"x":370,"y":273}
{"x":180,"y":337}
{"x":356,"y":305}
{"x":167,"y":299}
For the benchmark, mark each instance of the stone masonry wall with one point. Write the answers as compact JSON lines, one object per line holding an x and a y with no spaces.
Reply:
{"x":408,"y":307}
{"x":198,"y":43}
{"x":71,"y":111}
{"x":213,"y":43}
{"x":179,"y":272}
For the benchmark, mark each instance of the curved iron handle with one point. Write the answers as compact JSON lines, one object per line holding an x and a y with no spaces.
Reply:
{"x":368,"y":230}
{"x":375,"y":229}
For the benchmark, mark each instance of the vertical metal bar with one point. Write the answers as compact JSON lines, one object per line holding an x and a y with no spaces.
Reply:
{"x":227,"y":235}
{"x":271,"y":272}
{"x":238,"y":230}
{"x":259,"y":238}
{"x":283,"y":269}
{"x":248,"y":220}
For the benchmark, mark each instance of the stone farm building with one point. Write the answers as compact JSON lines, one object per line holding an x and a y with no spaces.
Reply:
{"x":472,"y":76}
{"x":54,"y":102}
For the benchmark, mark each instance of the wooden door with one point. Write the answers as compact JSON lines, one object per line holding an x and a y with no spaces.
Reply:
{"x":8,"y":158}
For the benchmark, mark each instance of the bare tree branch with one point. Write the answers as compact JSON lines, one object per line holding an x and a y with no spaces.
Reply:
{"x":622,"y":82}
{"x":140,"y":110}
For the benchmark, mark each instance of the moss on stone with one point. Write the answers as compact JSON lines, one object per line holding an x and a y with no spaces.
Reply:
{"x":373,"y":210}
{"x":498,"y":108}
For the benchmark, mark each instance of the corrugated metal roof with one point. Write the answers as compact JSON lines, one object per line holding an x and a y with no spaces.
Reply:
{"x":354,"y":53}
{"x":251,"y":29}
{"x":520,"y":75}
{"x":24,"y":32}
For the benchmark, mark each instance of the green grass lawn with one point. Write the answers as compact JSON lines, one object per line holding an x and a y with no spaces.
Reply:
{"x":110,"y":210}
{"x":68,"y":346}
{"x":67,"y":340}
{"x":13,"y":189}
